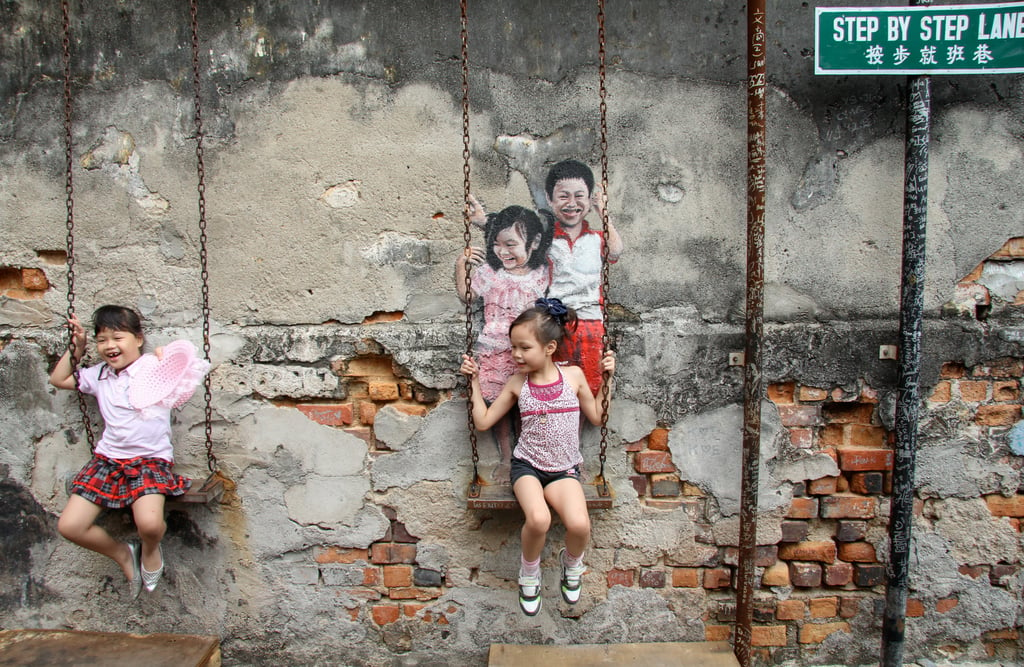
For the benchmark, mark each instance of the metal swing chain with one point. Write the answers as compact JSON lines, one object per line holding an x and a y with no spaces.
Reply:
{"x":474,"y":486}
{"x":69,"y":190}
{"x":211,"y":459}
{"x":603,"y":92}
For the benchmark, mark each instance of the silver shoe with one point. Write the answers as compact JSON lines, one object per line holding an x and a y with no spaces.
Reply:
{"x":151,"y":579}
{"x":135,"y":585}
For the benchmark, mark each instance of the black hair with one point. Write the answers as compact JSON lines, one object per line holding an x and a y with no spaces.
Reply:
{"x":117,"y":318}
{"x":565,"y":170}
{"x":551,"y":320}
{"x":529,"y":226}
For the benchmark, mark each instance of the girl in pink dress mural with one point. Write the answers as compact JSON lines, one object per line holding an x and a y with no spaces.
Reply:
{"x":508,"y":275}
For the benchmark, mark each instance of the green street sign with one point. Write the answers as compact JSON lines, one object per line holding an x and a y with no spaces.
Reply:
{"x":946,"y":39}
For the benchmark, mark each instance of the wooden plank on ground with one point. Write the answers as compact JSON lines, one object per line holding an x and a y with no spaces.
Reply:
{"x":72,"y":648}
{"x":666,"y":654}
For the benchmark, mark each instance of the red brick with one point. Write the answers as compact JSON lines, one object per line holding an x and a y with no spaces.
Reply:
{"x":639,"y":484}
{"x":397,"y":575}
{"x":815,"y":633}
{"x":764,"y":556}
{"x":801,"y":437}
{"x":653,"y":461}
{"x":768,"y":635}
{"x":717,"y":633}
{"x":340,"y":555}
{"x":1006,"y":367}
{"x":849,"y":606}
{"x":1001,"y":573}
{"x":717,"y":577}
{"x":328,"y":414}
{"x":34,"y":279}
{"x":812,"y":393}
{"x":803,"y":508}
{"x":411,"y":593}
{"x":1006,"y":390}
{"x":383,"y":391}
{"x":790,"y":610}
{"x":692,"y":490}
{"x":800,"y":415}
{"x":857,"y":459}
{"x":665,"y":485}
{"x":857,"y":552}
{"x":942,"y":392}
{"x":972,"y":571}
{"x":782,"y":393}
{"x":620,"y":578}
{"x":867,"y":483}
{"x":915,"y":608}
{"x":838,"y":574}
{"x":868,"y":575}
{"x":973,"y":391}
{"x":776,"y":575}
{"x":663,"y":504}
{"x":367,"y":412}
{"x":944,"y":605}
{"x":384,"y":553}
{"x":658,"y":440}
{"x":847,"y":507}
{"x":833,"y":434}
{"x":952,"y":370}
{"x":371,"y":576}
{"x":1002,"y":506}
{"x":637,"y":446}
{"x":1006,"y":633}
{"x":821,"y":551}
{"x":848,"y":413}
{"x":794,"y":531}
{"x":824,"y":607}
{"x":805,"y":575}
{"x":685,"y":577}
{"x":410,"y":609}
{"x":652,"y":578}
{"x":384,"y":614}
{"x":823,"y":486}
{"x":997,"y":415}
{"x":414,"y":410}
{"x":860,"y":435}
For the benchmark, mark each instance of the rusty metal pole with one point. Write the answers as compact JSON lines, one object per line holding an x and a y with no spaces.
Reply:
{"x":754,"y":328}
{"x":915,"y":218}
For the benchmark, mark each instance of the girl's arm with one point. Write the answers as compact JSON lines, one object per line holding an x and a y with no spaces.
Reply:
{"x":63,"y":376}
{"x":471,"y":257}
{"x":485,"y":417}
{"x":615,"y":245}
{"x":591,"y":406}
{"x":477,"y":215}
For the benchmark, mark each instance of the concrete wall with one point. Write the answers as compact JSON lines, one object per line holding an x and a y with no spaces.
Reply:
{"x":333,"y":161}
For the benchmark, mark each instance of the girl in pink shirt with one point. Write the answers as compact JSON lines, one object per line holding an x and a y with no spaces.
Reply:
{"x":132,"y":462}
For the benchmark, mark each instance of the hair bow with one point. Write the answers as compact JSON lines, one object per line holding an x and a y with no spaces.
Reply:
{"x":553,"y":307}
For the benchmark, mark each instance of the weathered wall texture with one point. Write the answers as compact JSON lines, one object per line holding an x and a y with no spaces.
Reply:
{"x":333,"y":160}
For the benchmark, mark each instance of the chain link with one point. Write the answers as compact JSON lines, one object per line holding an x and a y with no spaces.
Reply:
{"x":603,"y":93}
{"x":204,"y":273}
{"x":69,"y":190}
{"x":467,"y":238}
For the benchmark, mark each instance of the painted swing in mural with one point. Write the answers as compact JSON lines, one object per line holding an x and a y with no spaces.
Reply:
{"x":169,"y":381}
{"x":549,"y":258}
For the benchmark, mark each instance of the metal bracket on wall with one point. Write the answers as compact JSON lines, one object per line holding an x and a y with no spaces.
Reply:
{"x":737,"y":358}
{"x":887,"y":351}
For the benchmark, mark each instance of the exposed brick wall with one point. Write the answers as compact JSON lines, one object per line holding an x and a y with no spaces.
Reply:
{"x":23,"y":283}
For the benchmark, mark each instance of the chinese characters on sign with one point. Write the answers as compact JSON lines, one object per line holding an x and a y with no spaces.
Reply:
{"x":948,"y":39}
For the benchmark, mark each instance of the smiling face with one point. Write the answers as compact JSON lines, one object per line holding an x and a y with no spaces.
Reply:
{"x":118,"y":348}
{"x":528,"y":352}
{"x":510,"y":248}
{"x":570,"y":201}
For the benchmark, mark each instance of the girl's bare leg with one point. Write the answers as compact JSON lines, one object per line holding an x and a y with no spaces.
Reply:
{"x":537,"y":516}
{"x":567,"y":498}
{"x":77,"y":524}
{"x":148,"y":512}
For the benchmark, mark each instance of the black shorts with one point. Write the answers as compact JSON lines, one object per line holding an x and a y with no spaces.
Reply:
{"x":521,"y":468}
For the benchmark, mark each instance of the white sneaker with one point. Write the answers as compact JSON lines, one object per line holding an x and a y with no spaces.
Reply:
{"x":529,"y":594}
{"x":572,"y":579}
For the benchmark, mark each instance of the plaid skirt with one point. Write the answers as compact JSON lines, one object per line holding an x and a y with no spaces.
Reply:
{"x":118,"y":483}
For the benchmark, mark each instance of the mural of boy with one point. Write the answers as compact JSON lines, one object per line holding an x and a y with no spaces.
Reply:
{"x":575,"y":256}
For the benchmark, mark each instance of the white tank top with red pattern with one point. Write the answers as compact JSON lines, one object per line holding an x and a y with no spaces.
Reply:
{"x":550,"y":438}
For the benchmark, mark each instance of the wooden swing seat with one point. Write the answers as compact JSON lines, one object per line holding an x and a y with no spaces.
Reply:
{"x":484,"y":496}
{"x":210,"y":492}
{"x":100,"y":649}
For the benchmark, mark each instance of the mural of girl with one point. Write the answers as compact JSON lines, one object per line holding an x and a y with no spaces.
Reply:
{"x":508,"y":275}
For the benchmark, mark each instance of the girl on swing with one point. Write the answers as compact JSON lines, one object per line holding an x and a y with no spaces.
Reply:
{"x":132,"y":462}
{"x":546,"y":459}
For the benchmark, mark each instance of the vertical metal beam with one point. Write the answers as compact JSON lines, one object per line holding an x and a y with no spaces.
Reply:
{"x":915,"y":209}
{"x":754,"y":327}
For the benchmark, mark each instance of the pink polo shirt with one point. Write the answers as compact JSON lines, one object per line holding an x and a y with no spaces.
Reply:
{"x":125,"y":433}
